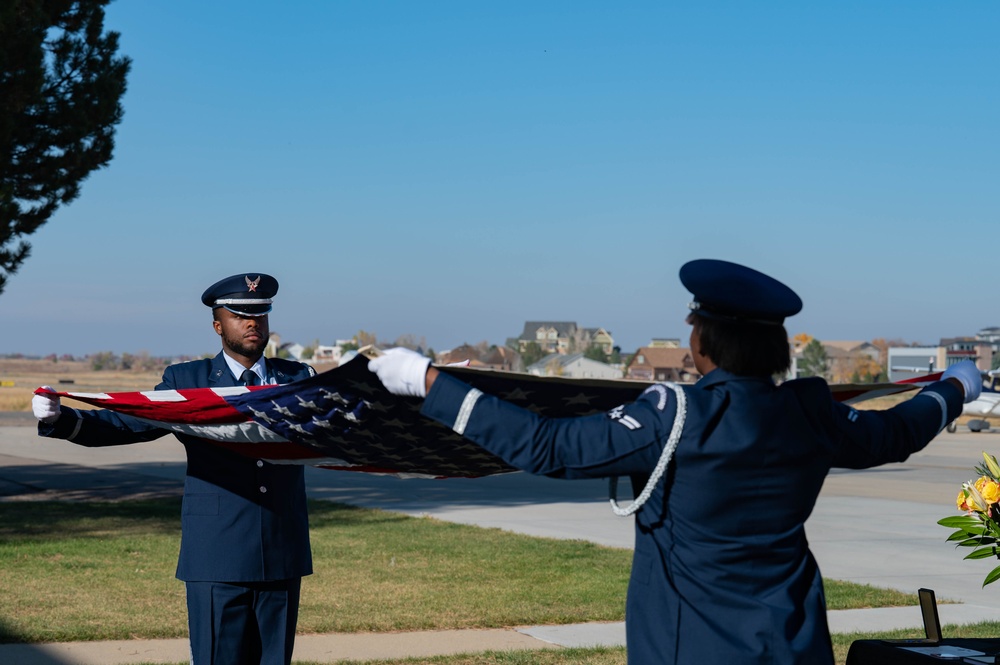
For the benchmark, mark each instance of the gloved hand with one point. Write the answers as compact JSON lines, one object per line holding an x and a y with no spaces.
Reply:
{"x":402,"y":372}
{"x":968,"y":374}
{"x":45,"y":407}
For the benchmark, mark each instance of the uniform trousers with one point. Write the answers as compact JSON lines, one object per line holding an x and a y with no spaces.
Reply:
{"x":242,"y":623}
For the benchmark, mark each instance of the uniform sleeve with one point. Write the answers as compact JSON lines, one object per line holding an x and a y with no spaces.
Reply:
{"x":869,"y":438}
{"x":625,"y":440}
{"x":99,"y":428}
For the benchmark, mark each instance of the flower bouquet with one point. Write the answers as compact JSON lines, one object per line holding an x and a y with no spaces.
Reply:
{"x":979,"y":527}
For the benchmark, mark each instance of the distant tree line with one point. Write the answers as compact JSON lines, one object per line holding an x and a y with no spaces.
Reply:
{"x":139,"y":362}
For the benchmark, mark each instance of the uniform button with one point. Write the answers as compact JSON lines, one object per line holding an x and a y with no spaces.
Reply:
{"x":260,"y":463}
{"x":263,"y":490}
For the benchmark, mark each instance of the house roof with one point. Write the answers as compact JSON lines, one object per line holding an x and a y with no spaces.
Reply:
{"x":459,"y":353}
{"x":561,"y":359}
{"x":500,"y":355}
{"x":563,"y":328}
{"x":596,"y":331}
{"x":659,"y":356}
{"x":844,"y":345}
{"x":564,"y":360}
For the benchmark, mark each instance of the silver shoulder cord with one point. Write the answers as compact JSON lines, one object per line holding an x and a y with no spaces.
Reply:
{"x":661,"y":466}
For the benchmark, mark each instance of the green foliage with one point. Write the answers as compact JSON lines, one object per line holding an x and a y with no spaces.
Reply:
{"x":61,"y":84}
{"x":814,"y":361}
{"x":978,"y":528}
{"x":104,"y":360}
{"x":595,"y":352}
{"x":309,"y":351}
{"x":532,"y":353}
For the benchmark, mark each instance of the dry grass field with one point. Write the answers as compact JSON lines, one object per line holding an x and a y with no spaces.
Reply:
{"x":26,"y":375}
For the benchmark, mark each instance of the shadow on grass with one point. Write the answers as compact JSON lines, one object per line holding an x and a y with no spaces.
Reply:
{"x":56,"y":520}
{"x":74,"y":482}
{"x":28,"y":654}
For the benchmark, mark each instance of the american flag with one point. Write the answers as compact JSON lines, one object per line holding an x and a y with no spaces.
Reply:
{"x":345,"y":419}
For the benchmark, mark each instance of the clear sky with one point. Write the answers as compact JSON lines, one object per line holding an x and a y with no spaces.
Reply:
{"x":453,"y":169}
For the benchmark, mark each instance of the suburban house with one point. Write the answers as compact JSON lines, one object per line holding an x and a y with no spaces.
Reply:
{"x":599,"y":337}
{"x":494,"y":357}
{"x":573,"y":365}
{"x":850,"y":359}
{"x":662,"y":363}
{"x":503,"y":358}
{"x":327,"y":353}
{"x":564,"y":337}
{"x":273,"y":344}
{"x":847,"y":360}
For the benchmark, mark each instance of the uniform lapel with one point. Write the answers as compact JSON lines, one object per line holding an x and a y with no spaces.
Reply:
{"x":220,"y":376}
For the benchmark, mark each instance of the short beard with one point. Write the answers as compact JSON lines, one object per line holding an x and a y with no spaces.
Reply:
{"x":238,"y":346}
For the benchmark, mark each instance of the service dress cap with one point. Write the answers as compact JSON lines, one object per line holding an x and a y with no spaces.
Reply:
{"x":246,"y":294}
{"x":729,"y":291}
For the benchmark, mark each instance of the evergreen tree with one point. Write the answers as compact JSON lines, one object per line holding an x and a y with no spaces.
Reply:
{"x":532,"y":353}
{"x":814,"y":361}
{"x":61,"y":84}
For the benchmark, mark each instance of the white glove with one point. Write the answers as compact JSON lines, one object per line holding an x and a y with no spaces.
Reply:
{"x":45,"y":407}
{"x":970,"y":377}
{"x":402,"y":372}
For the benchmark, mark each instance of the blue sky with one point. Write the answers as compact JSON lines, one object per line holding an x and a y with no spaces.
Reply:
{"x":452,"y":169}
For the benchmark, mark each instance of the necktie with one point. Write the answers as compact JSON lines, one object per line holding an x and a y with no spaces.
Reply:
{"x":249,"y":378}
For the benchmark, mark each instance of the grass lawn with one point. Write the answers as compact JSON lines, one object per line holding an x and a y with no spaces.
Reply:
{"x":90,"y":571}
{"x":98,"y":570}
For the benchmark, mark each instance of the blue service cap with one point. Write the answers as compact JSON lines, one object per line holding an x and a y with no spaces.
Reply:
{"x":248,"y":294}
{"x":729,"y":291}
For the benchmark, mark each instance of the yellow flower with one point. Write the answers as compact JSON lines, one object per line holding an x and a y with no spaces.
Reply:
{"x":974,"y":498}
{"x":962,"y":502}
{"x":989,"y":490}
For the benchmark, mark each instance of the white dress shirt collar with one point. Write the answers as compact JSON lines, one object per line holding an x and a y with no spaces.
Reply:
{"x":259,"y":368}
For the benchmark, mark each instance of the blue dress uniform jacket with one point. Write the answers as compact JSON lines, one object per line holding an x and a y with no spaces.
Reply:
{"x":722,"y":571}
{"x":243,"y":520}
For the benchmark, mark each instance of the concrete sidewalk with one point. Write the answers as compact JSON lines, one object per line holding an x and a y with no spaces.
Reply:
{"x":333,"y":648}
{"x":874,"y":527}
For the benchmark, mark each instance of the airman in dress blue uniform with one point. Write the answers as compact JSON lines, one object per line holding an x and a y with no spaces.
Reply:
{"x":244,"y":524}
{"x":722,"y":571}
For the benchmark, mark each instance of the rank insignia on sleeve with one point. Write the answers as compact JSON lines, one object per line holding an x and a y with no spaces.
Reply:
{"x":618,"y":415}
